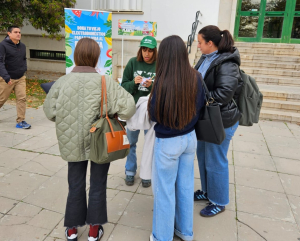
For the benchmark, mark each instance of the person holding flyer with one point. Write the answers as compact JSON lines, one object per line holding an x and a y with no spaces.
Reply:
{"x":137,"y":80}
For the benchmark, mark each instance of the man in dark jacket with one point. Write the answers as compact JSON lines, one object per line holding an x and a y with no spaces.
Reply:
{"x":12,"y":68}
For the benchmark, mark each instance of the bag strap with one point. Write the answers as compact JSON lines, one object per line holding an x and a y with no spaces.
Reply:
{"x":209,"y":99}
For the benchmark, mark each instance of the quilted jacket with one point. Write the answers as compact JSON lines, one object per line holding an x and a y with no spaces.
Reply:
{"x":73,"y":103}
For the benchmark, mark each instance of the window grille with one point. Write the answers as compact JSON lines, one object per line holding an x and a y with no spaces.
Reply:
{"x":47,"y":54}
{"x":118,"y":5}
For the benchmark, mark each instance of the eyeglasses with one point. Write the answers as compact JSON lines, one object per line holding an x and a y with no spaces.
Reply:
{"x":145,"y":49}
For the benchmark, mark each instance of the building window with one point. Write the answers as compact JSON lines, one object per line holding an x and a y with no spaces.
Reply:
{"x":47,"y":54}
{"x":118,"y":5}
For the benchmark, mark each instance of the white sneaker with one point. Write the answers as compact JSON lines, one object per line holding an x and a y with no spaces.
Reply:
{"x":151,"y":237}
{"x":100,"y":234}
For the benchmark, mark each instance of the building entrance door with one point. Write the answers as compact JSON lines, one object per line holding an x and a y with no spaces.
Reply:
{"x":274,"y":21}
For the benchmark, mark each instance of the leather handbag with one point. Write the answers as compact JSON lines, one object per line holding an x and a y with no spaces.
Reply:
{"x":209,"y":127}
{"x":109,"y":141}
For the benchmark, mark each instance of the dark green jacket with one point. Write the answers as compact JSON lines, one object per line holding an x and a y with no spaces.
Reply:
{"x":133,"y":69}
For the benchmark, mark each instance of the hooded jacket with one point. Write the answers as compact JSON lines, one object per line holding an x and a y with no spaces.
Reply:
{"x":12,"y":59}
{"x":224,"y":83}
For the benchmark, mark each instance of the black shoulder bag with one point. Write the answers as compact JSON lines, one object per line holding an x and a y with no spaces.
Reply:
{"x":209,"y":126}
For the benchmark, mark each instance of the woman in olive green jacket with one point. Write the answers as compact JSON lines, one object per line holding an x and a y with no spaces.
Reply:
{"x":73,"y":103}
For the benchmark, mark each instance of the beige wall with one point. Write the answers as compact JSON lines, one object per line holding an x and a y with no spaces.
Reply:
{"x":227,"y":13}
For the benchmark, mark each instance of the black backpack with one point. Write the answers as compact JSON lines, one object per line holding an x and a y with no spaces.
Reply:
{"x":249,"y":101}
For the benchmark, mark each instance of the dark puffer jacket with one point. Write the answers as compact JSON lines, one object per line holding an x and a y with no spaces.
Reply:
{"x":12,"y":59}
{"x":224,"y":82}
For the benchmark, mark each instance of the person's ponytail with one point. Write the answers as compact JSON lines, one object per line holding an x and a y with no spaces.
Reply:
{"x":222,"y":39}
{"x":226,"y":43}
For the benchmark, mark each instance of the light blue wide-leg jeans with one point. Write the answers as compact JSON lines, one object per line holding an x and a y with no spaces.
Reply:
{"x":173,"y":187}
{"x":213,"y":167}
{"x":131,"y":165}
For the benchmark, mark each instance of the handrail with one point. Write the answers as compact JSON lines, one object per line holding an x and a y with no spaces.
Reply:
{"x":191,"y":37}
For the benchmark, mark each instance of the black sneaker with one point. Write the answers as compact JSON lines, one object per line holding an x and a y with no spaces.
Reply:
{"x":100,"y":234}
{"x":129,"y":180}
{"x":200,"y":195}
{"x":146,"y":182}
{"x":73,"y":237}
{"x":212,"y":210}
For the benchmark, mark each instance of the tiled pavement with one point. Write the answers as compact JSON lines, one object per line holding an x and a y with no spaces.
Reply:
{"x":264,"y":187}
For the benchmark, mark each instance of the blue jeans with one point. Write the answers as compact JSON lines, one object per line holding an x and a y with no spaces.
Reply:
{"x":173,"y":187}
{"x":131,"y":165}
{"x":213,"y":167}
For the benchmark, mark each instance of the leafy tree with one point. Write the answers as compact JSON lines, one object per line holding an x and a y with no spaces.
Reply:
{"x":47,"y":15}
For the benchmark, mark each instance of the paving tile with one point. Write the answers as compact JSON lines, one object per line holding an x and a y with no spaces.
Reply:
{"x":7,"y":114}
{"x":44,"y":122}
{"x":231,"y":206}
{"x":230,"y":157}
{"x":7,"y":204}
{"x":117,"y":206}
{"x":263,"y":162}
{"x":251,"y":147}
{"x":231,"y":173}
{"x":287,"y":166}
{"x":295,"y":204}
{"x":264,"y":203}
{"x":16,"y":158}
{"x":205,"y":228}
{"x":4,"y":171}
{"x":51,"y":195}
{"x":258,"y":179}
{"x":46,"y":219}
{"x":253,"y":129}
{"x":37,"y":144}
{"x":290,"y":183}
{"x":275,"y":131}
{"x":268,"y":228}
{"x":54,"y":150}
{"x":27,"y":232}
{"x":9,"y":139}
{"x":139,"y":212}
{"x":277,"y":124}
{"x":145,"y":191}
{"x":125,"y":233}
{"x":284,"y":142}
{"x":24,"y":210}
{"x":2,"y":148}
{"x":285,"y":152}
{"x":44,"y":164}
{"x":18,"y":184}
{"x":116,"y":182}
{"x":293,"y":126}
{"x":249,"y":137}
{"x":11,"y":220}
{"x":196,"y":169}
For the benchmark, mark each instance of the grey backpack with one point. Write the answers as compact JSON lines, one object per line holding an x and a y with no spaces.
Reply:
{"x":249,"y":101}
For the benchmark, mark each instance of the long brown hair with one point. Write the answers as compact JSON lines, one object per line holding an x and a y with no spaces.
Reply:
{"x":175,"y":85}
{"x":222,"y":39}
{"x":86,"y":52}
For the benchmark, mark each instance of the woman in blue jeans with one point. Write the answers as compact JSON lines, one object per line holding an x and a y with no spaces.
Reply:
{"x":174,"y":103}
{"x":219,"y":67}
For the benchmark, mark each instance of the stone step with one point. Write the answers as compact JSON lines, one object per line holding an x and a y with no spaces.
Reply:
{"x":270,"y":64}
{"x":272,"y":72}
{"x":290,"y":106}
{"x":277,"y":92}
{"x":280,"y":115}
{"x":271,"y":52}
{"x":276,"y":80}
{"x":279,"y":59}
{"x":267,"y":46}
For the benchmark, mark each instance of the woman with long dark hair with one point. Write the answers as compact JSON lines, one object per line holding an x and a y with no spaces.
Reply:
{"x":219,"y":67}
{"x":174,"y":103}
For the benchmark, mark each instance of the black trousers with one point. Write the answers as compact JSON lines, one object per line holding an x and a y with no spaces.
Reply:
{"x":77,"y":211}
